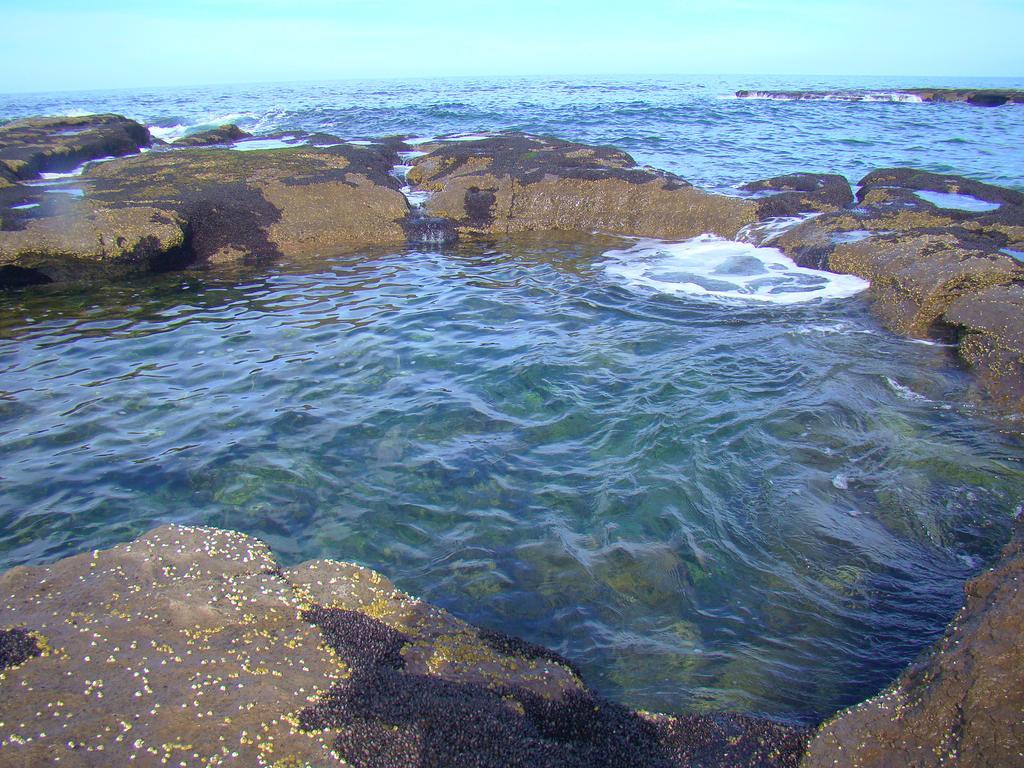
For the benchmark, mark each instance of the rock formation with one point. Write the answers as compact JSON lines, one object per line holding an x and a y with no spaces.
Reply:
{"x":934,"y":267}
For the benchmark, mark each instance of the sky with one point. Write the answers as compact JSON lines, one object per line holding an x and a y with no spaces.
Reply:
{"x":55,"y":45}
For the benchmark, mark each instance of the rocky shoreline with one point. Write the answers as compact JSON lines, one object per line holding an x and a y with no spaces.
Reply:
{"x":194,"y":647}
{"x":943,"y":253}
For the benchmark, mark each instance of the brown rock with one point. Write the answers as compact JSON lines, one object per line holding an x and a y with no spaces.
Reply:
{"x":915,"y":277}
{"x":519,"y":183}
{"x":914,"y":179}
{"x":192,"y":646}
{"x":959,"y":705}
{"x":797,"y":193}
{"x":165,"y":209}
{"x":86,"y":240}
{"x":991,"y":325}
{"x":225,"y":134}
{"x":59,"y":144}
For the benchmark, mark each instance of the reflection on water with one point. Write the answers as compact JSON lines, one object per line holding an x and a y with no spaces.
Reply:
{"x":713,"y":506}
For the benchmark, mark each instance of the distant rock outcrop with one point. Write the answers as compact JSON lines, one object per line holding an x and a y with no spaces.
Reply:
{"x":192,"y":646}
{"x":977,"y":97}
{"x":225,"y":134}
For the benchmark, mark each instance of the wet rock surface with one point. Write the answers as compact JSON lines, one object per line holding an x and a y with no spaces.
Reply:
{"x":520,"y":183}
{"x":191,"y":646}
{"x":58,"y":144}
{"x":797,"y":193}
{"x":225,"y":134}
{"x":961,"y":704}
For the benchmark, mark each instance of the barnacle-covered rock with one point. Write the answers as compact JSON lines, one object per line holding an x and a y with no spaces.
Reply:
{"x":192,"y":646}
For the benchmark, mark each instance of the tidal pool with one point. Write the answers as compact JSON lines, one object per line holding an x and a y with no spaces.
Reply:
{"x":766,"y":507}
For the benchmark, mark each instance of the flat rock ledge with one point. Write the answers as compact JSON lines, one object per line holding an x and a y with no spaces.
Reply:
{"x":193,"y":647}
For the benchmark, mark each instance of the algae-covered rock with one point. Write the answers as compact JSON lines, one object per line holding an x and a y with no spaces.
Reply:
{"x":192,"y":646}
{"x":930,"y":242}
{"x":520,"y":183}
{"x":225,"y":134}
{"x":960,"y":704}
{"x":797,"y":193}
{"x":915,"y":277}
{"x":86,"y":239}
{"x":59,"y":144}
{"x":171,"y":208}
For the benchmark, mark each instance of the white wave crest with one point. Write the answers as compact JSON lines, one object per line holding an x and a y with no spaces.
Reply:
{"x":762,"y":232}
{"x":171,"y":133}
{"x":713,"y":268}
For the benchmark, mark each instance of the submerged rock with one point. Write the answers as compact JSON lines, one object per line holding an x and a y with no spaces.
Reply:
{"x":193,"y":646}
{"x":60,"y":144}
{"x":519,"y":183}
{"x":960,"y":704}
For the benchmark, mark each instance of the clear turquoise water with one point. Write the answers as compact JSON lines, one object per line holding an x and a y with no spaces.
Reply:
{"x":717,"y":506}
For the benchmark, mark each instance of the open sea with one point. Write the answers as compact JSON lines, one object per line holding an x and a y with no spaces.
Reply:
{"x":709,"y":500}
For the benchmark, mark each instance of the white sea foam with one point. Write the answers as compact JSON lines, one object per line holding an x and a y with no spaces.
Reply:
{"x":401,"y":171}
{"x":905,"y":392}
{"x":956,"y":202}
{"x":713,"y":268}
{"x":24,"y":207}
{"x":73,"y":191}
{"x":416,"y":198}
{"x":871,"y":96}
{"x":363,"y":142}
{"x":412,"y":154}
{"x":763,"y":232}
{"x":171,"y":133}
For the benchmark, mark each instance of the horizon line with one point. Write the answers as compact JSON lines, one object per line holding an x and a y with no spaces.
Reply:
{"x":506,"y":76}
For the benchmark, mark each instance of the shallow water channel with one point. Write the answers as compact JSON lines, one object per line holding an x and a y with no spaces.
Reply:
{"x":707,"y":502}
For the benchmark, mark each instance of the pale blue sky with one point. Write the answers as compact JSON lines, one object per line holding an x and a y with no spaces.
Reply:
{"x":83,"y":44}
